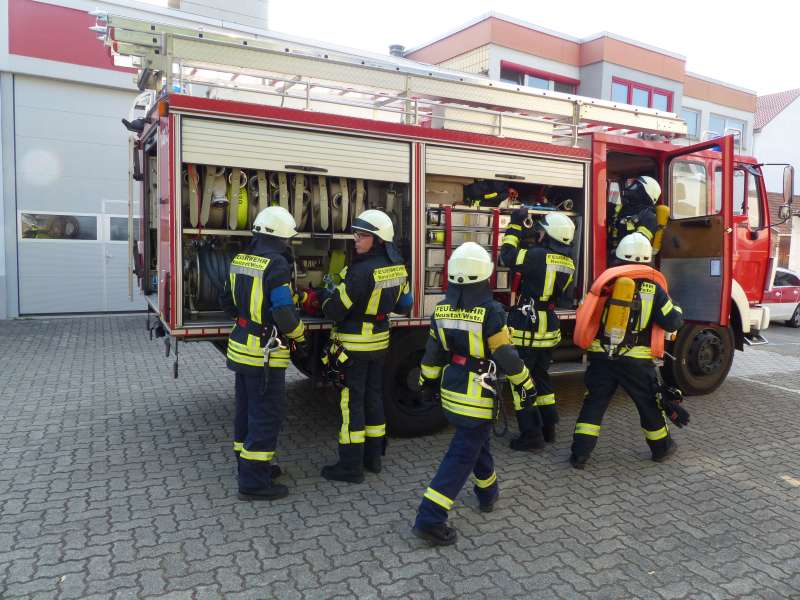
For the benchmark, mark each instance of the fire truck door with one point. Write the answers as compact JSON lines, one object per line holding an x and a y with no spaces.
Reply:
{"x":697,"y":251}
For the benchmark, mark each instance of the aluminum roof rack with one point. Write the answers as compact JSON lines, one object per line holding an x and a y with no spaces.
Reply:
{"x":278,"y":71}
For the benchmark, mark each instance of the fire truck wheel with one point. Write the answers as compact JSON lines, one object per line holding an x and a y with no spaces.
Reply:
{"x":703,"y":357}
{"x":407,"y":415}
{"x":795,"y":320}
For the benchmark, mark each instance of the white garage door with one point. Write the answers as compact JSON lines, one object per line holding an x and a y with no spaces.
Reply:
{"x":72,"y":154}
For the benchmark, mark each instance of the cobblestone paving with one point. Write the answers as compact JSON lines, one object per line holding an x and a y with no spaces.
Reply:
{"x":117,"y":481}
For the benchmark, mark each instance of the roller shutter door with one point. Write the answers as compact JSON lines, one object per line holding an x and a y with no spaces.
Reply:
{"x":252,"y":146}
{"x":509,"y":167}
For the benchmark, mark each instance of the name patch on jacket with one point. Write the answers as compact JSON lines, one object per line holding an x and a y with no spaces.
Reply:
{"x":249,"y":264}
{"x":393,"y":276}
{"x":446,"y":312}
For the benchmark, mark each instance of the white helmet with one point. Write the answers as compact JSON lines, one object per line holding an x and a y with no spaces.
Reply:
{"x":469,"y":263}
{"x":650,"y":186}
{"x":559,"y":227}
{"x":375,"y":222}
{"x":634,"y":247}
{"x":275,"y":221}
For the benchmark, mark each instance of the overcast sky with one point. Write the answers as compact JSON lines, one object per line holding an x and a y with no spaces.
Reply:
{"x":754,"y":45}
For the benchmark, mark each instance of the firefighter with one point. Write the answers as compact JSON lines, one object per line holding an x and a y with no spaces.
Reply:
{"x":374,"y":285}
{"x":541,"y":255}
{"x":468,"y":341}
{"x":635,"y":212}
{"x":258,"y":295}
{"x":624,"y":357}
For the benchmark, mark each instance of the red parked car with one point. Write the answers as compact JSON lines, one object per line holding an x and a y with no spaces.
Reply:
{"x":783,"y":298}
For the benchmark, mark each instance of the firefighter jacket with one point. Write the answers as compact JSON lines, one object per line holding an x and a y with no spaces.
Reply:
{"x":467,"y":330}
{"x":373,"y":286}
{"x":651,"y":304}
{"x":633,"y":217}
{"x":546,"y":272}
{"x":258,"y":295}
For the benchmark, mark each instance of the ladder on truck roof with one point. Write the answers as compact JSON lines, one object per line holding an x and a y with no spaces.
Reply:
{"x":295,"y":74}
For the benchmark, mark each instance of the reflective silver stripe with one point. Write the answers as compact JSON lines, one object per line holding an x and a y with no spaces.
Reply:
{"x":460,"y":325}
{"x":249,"y":271}
{"x":395,"y":281}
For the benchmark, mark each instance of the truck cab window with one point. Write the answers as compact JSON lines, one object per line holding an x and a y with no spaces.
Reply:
{"x":754,"y":216}
{"x":688,"y":189}
{"x":739,"y":198}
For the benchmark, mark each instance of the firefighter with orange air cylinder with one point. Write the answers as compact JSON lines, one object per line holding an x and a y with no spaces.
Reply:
{"x":621,"y":324}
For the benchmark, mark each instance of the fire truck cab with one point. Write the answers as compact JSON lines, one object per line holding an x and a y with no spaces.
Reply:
{"x":231,"y":124}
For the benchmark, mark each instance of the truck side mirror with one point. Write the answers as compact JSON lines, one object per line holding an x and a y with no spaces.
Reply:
{"x":788,"y":184}
{"x":784,"y":212}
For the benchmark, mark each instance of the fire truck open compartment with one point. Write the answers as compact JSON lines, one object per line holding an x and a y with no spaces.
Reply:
{"x":323,"y":179}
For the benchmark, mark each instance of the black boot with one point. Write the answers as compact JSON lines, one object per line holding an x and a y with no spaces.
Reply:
{"x":273,"y":492}
{"x":549,"y":433}
{"x":374,"y":449}
{"x":666,"y":453}
{"x":488,"y":506}
{"x":350,"y":467}
{"x":438,"y":535}
{"x":530,"y":430}
{"x":578,"y":460}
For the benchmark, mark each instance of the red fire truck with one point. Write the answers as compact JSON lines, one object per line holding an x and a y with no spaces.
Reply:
{"x":231,"y":124}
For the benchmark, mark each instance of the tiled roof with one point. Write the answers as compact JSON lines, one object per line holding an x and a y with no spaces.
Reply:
{"x":768,"y":107}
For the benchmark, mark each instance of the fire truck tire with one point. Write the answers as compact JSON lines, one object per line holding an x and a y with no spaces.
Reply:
{"x":795,"y":320}
{"x":703,"y":357}
{"x":406,"y":413}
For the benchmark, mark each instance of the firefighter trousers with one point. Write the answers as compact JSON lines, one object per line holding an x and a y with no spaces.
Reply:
{"x":361,"y":401}
{"x":469,"y":452}
{"x":260,"y":411}
{"x":638,"y":379}
{"x":538,"y":362}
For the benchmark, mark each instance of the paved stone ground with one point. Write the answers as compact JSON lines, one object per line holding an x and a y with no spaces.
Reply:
{"x":117,"y":481}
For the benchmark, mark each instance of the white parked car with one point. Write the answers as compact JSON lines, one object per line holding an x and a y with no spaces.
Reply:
{"x":784,"y":297}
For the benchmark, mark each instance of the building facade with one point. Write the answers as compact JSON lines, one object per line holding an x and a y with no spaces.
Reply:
{"x":777,"y":120}
{"x":64,"y":159}
{"x":604,"y":66}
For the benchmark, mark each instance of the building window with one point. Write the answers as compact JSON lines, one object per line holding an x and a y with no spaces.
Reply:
{"x":639,"y":94}
{"x":720,"y":125}
{"x":45,"y":226}
{"x":692,"y":118}
{"x":542,"y":80}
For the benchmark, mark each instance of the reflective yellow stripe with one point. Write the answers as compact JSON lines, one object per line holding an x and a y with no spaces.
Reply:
{"x":357,"y":437}
{"x":517,"y":378}
{"x":515,"y":226}
{"x":511,"y":239}
{"x":658,"y":434}
{"x":527,"y":339}
{"x":279,"y":358}
{"x":485,"y":483}
{"x":678,"y":308}
{"x":344,"y":406}
{"x":521,"y":256}
{"x":238,"y":446}
{"x":430,"y":371}
{"x":545,"y":400}
{"x":467,"y":399}
{"x":376,"y":430}
{"x":257,"y":456}
{"x":437,"y":498}
{"x":665,"y":310}
{"x":443,"y":338}
{"x":645,"y":232}
{"x":359,"y":337}
{"x":467,"y":411}
{"x":256,"y":299}
{"x":374,"y":302}
{"x":499,"y":339}
{"x":476,"y":344}
{"x":587,"y":429}
{"x":541,"y":330}
{"x":297,"y":332}
{"x":246,"y":354}
{"x":343,"y":295}
{"x":549,"y":284}
{"x":632,"y":352}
